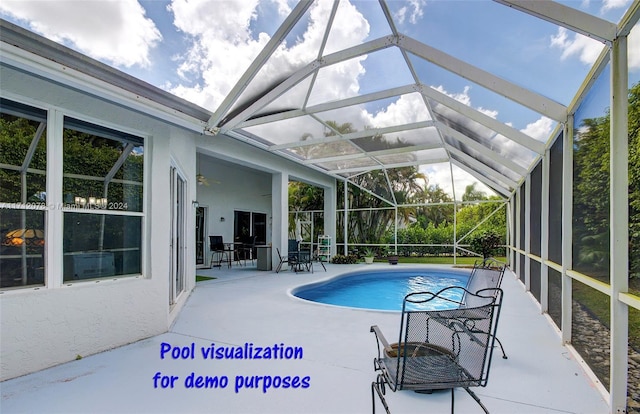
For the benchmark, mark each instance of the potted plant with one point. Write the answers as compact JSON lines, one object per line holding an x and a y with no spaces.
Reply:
{"x":369,"y":255}
{"x":392,"y":257}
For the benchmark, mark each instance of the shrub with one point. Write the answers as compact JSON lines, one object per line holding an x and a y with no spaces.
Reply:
{"x":485,"y":243}
{"x":342,"y":259}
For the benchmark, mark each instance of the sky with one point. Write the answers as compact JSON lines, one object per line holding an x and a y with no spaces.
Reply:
{"x":198,"y":49}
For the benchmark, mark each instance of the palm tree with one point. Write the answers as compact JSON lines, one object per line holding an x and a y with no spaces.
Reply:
{"x":363,"y":226}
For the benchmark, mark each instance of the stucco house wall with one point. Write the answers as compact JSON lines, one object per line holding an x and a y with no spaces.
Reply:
{"x":45,"y":326}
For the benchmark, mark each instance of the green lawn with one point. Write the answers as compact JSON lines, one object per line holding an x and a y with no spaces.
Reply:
{"x":440,"y":260}
{"x":200,"y":278}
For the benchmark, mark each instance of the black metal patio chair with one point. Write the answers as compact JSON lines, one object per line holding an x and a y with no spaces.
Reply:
{"x":292,"y":255}
{"x":282,"y":260}
{"x":247,"y":249}
{"x":439,"y":349}
{"x":217,"y":247}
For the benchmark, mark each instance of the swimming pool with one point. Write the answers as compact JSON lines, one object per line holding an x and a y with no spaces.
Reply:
{"x":384,"y":289}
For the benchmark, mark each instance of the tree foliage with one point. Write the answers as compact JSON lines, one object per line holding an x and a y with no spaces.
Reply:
{"x":486,"y":243}
{"x":87,"y":160}
{"x":427,"y":218}
{"x":16,"y":135}
{"x":591,"y":191}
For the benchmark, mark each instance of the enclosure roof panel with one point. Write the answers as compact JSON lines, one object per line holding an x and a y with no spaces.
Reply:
{"x":451,"y":89}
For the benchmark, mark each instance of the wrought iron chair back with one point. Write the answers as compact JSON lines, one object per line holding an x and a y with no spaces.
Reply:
{"x":485,"y":274}
{"x":293,"y":248}
{"x":438,"y":349}
{"x":486,"y":277}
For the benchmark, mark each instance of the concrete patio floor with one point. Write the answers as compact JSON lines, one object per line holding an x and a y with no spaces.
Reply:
{"x":244,"y":305}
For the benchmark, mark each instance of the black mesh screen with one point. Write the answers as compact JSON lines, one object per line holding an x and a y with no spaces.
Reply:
{"x":523,"y":200}
{"x":535,"y":205}
{"x":555,"y":202}
{"x":534,"y":269}
{"x":554,"y":297}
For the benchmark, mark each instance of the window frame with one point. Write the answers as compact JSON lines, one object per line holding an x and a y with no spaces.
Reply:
{"x":55,"y":208}
{"x":27,"y":206}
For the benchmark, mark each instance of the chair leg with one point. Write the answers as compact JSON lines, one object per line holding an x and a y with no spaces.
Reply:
{"x":224,"y":257}
{"x":211,"y":264}
{"x":475,"y":397}
{"x":377,"y":388}
{"x":504,"y":355}
{"x":238,"y":256}
{"x":452,"y":400}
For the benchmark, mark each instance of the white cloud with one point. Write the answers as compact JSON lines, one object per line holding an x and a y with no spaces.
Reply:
{"x":116,"y":31}
{"x":540,"y":129}
{"x":221,"y":47}
{"x":222,"y":52}
{"x":586,"y":48}
{"x":440,"y":174}
{"x":349,"y":27}
{"x":283,"y":7}
{"x":589,"y":49}
{"x":613,"y":4}
{"x":406,"y":109}
{"x":414,"y":11}
{"x":462,"y":97}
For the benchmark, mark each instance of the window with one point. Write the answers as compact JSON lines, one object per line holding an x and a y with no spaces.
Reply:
{"x":103,"y":194}
{"x":247,"y":224}
{"x":23,"y":163}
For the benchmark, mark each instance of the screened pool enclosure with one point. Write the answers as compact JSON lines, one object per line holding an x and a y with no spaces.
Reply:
{"x":429,"y":118}
{"x":378,"y":110}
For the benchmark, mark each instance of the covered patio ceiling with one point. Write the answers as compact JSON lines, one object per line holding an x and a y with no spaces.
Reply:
{"x":406,"y":100}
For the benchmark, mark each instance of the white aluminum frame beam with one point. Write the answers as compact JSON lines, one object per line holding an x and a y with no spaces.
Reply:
{"x":369,"y":154}
{"x":302,"y":73}
{"x":544,"y":232}
{"x":487,"y":152}
{"x":523,"y":96}
{"x":484,"y":180}
{"x":366,"y":190}
{"x":32,"y":147}
{"x":494,"y":175}
{"x":354,"y":135}
{"x":481,"y":222}
{"x":567,"y":230}
{"x":567,"y":17}
{"x":257,"y":64}
{"x":343,"y":103}
{"x":118,"y":164}
{"x":619,"y":224}
{"x":485,"y":120}
{"x":368,"y":168}
{"x":629,"y":20}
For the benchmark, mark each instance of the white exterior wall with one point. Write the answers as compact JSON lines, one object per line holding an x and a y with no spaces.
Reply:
{"x":42,"y":327}
{"x":231,"y":188}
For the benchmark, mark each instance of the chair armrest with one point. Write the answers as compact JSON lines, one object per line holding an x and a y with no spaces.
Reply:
{"x":381,"y":339}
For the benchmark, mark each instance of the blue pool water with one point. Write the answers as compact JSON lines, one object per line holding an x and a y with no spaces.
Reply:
{"x":384,"y":289}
